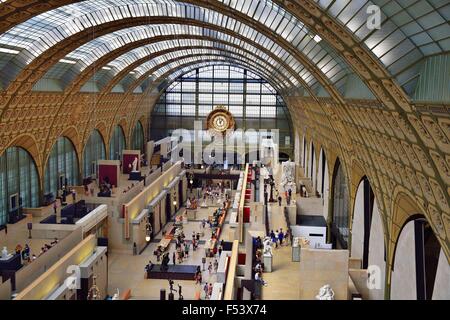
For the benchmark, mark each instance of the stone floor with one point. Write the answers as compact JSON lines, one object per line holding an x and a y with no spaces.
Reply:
{"x":283,"y":282}
{"x":127,"y":271}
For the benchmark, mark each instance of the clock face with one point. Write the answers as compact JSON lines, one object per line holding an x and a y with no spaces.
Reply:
{"x":220,"y":120}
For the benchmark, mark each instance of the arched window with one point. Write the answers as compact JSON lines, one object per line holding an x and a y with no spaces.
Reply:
{"x":117,"y":144}
{"x":19,"y":182}
{"x":253,"y":102}
{"x":93,"y":151}
{"x":137,"y":141}
{"x":362,"y":221}
{"x":62,"y":167}
{"x":340,"y":224}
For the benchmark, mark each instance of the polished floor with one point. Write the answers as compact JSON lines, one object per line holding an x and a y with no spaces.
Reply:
{"x":127,"y":271}
{"x":283,"y":282}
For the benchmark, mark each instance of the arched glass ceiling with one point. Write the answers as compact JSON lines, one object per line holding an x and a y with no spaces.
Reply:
{"x":144,"y":68}
{"x":410,"y":30}
{"x":43,"y":31}
{"x":164,"y":73}
{"x":130,"y":57}
{"x":187,"y":71}
{"x":235,"y":73}
{"x":159,"y":67}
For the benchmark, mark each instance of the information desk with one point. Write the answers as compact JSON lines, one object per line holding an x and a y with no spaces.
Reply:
{"x":164,"y":244}
{"x":210,"y":247}
{"x":170,"y":233}
{"x":173,"y":272}
{"x":13,"y":263}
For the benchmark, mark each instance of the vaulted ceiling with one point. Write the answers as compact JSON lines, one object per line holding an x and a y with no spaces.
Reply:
{"x":317,"y":48}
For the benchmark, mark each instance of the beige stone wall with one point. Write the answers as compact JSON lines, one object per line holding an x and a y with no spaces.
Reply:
{"x":406,"y":157}
{"x":320,"y":267}
{"x":35,"y":120}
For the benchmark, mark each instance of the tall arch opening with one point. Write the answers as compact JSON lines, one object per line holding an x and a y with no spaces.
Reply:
{"x":323,"y":184}
{"x":117,"y":143}
{"x":94,"y":150}
{"x":62,"y":167}
{"x":257,"y":107}
{"x":420,"y":270}
{"x":340,"y":220}
{"x":19,"y":184}
{"x":312,"y":166}
{"x":137,"y":139}
{"x":362,"y":221}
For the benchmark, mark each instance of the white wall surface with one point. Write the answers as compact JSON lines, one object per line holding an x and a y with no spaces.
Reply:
{"x":403,"y":283}
{"x":376,"y":253}
{"x":357,"y":246}
{"x":304,"y":231}
{"x":441,"y":289}
{"x":326,"y":192}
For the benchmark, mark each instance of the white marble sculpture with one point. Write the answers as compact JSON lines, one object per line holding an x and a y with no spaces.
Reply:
{"x":5,"y":254}
{"x":325,"y":293}
{"x":135,"y":163}
{"x":264,"y":173}
{"x":178,"y":232}
{"x":267,"y":246}
{"x":116,"y":295}
{"x":288,"y":176}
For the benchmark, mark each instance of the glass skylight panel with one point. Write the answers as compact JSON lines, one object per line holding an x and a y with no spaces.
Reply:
{"x":73,"y":18}
{"x":237,"y":111}
{"x":188,"y":110}
{"x":253,"y":112}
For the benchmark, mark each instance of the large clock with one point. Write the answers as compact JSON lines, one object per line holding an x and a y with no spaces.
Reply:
{"x":220,"y":120}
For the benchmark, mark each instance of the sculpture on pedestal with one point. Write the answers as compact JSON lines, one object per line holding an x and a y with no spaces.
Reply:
{"x":325,"y":293}
{"x":264,"y":173}
{"x":5,"y":253}
{"x":267,"y":246}
{"x":116,"y":295}
{"x":134,"y":165}
{"x":288,"y":176}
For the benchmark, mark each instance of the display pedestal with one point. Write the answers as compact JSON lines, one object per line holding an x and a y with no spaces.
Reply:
{"x":296,"y":254}
{"x":268,"y":262}
{"x":135,"y":176}
{"x":292,"y":213}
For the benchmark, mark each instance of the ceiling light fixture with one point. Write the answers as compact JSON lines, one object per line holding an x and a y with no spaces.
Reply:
{"x":67,"y":61}
{"x":317,"y":38}
{"x":10,"y":51}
